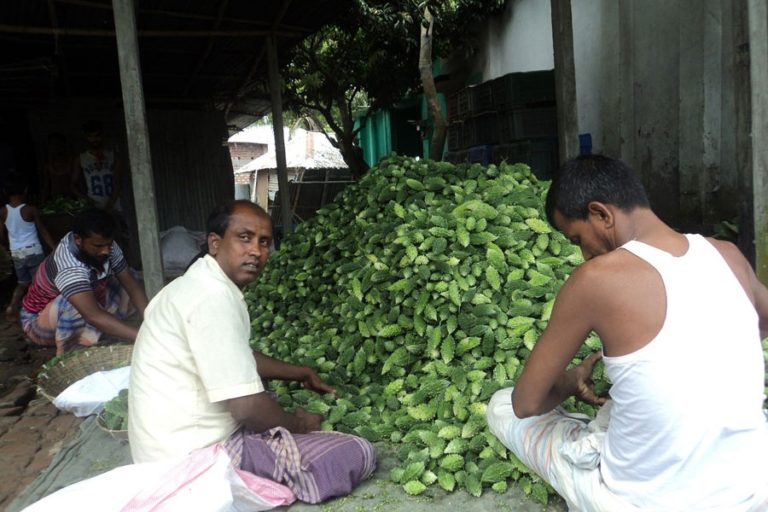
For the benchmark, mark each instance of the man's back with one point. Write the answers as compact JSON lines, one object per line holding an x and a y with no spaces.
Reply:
{"x":686,"y":425}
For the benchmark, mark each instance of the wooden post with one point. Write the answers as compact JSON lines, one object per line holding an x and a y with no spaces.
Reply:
{"x":138,"y":145}
{"x":565,"y":80}
{"x":742,"y":107}
{"x":277,"y":125}
{"x":758,"y":72}
{"x":261,"y":184}
{"x":691,"y":107}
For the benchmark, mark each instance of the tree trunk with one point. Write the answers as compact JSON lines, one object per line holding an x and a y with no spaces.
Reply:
{"x":430,"y":91}
{"x":350,"y":151}
{"x":353,"y":156}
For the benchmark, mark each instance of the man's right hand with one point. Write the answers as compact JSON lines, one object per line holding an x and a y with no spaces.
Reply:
{"x":582,"y":373}
{"x":308,"y":422}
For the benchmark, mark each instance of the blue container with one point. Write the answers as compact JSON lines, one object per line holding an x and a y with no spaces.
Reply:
{"x":585,"y":144}
{"x":480,"y":154}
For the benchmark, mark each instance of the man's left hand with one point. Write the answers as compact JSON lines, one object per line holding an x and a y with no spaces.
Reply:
{"x":313,"y":382}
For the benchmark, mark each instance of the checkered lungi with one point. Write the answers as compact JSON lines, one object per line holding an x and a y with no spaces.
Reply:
{"x":61,"y":325}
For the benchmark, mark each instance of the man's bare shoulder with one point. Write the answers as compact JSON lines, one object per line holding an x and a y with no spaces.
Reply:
{"x":609,"y":269}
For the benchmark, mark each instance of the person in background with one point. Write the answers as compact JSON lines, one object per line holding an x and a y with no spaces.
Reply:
{"x":681,"y":318}
{"x":57,"y":169}
{"x":25,"y":231}
{"x":98,"y":169}
{"x":83,"y":289}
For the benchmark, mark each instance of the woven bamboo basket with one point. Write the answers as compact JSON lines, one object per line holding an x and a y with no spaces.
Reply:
{"x":121,"y":435}
{"x":61,"y":372}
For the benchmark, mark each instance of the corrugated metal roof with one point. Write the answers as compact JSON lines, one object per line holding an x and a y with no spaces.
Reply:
{"x":305,"y":149}
{"x":207,"y":53}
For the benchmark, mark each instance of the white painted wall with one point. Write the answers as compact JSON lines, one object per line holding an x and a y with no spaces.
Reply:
{"x":521,"y":40}
{"x":655,"y":87}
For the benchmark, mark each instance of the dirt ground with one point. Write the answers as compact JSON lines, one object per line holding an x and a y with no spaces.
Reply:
{"x":32,"y":431}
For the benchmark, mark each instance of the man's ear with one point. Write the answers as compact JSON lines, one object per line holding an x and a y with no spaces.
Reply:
{"x":213,"y":243}
{"x":78,"y":239}
{"x":601,"y":213}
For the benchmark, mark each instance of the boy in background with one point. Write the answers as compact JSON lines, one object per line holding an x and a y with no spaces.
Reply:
{"x":25,"y":230}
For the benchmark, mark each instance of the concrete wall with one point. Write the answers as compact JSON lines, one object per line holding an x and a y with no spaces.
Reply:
{"x":655,"y":87}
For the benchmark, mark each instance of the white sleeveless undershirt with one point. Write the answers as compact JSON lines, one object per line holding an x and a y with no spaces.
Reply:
{"x":21,"y":233}
{"x":687,"y":429}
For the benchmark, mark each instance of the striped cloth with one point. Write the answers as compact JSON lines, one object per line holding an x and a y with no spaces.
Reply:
{"x":64,"y":273}
{"x":315,"y":466}
{"x":562,"y":448}
{"x":61,"y":325}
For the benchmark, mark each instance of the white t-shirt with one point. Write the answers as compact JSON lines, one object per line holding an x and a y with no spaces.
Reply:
{"x":99,"y":172}
{"x":191,"y":355}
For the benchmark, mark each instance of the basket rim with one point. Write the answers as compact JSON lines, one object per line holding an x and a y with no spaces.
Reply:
{"x":50,"y":381}
{"x":117,"y":434}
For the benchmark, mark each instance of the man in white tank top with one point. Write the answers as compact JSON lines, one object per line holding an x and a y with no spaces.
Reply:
{"x":25,"y":230}
{"x":681,"y":318}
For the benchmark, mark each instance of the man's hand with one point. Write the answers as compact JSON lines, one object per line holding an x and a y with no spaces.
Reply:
{"x":260,"y":412}
{"x":308,"y":422}
{"x":582,"y":374}
{"x":313,"y":382}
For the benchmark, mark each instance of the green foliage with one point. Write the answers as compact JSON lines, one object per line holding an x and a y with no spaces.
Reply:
{"x":115,"y":413}
{"x":63,"y":205}
{"x":416,"y":340}
{"x":367,"y":59}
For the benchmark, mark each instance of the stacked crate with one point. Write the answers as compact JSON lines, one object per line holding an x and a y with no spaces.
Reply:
{"x":511,"y":118}
{"x":527,"y":120}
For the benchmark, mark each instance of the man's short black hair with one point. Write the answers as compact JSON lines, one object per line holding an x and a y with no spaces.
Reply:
{"x":218,"y":220}
{"x":94,"y":221}
{"x":590,"y":178}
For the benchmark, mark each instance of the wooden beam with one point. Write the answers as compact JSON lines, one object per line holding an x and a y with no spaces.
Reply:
{"x":94,"y":32}
{"x":758,"y":71}
{"x":208,"y":48}
{"x":691,"y":116}
{"x":138,"y":145}
{"x":58,"y":52}
{"x":242,"y":90}
{"x":189,"y":15}
{"x":565,"y":80}
{"x":743,"y":144}
{"x":277,"y":126}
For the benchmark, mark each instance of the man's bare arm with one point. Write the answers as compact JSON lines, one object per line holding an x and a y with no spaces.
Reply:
{"x":42,"y":231}
{"x":88,"y":307}
{"x":545,"y":381}
{"x":76,"y":174}
{"x":761,"y":304}
{"x":271,"y":368}
{"x":260,"y":412}
{"x":116,"y":183}
{"x":134,"y":290}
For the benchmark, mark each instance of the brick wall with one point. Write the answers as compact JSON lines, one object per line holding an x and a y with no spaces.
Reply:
{"x":242,"y":153}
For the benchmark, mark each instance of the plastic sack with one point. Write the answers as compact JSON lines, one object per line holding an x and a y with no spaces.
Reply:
{"x":178,"y":247}
{"x":88,"y":395}
{"x":204,"y":480}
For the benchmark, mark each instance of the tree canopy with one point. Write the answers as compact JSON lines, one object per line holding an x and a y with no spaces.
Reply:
{"x":369,"y":60}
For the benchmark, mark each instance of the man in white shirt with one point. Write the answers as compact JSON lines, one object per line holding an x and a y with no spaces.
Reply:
{"x":195,"y":380}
